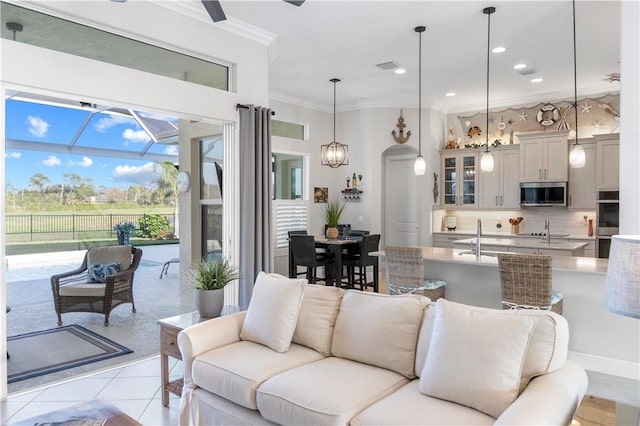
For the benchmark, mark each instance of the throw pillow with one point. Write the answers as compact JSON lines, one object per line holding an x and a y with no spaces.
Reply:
{"x":98,"y":272}
{"x":273,"y":311}
{"x":475,"y":357}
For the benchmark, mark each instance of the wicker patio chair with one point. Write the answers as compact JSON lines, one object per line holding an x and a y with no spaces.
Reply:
{"x":78,"y":291}
{"x":405,"y":273}
{"x":525,"y":280}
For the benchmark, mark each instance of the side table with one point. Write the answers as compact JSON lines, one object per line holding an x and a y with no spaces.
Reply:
{"x":169,"y":329}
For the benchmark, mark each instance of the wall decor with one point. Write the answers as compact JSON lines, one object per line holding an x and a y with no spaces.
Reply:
{"x":547,"y":115}
{"x":401,"y":137}
{"x":435,"y":188}
{"x":320,"y":194}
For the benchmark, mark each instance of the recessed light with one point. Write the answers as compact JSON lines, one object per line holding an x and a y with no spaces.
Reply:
{"x":536,"y":80}
{"x":399,"y":70}
{"x":519,"y":66}
{"x":499,"y":49}
{"x":450,"y":94}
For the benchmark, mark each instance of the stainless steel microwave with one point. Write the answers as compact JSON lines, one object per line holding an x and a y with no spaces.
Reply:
{"x":543,"y":194}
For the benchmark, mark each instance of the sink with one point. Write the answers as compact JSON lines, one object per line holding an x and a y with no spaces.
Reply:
{"x":482,"y":253}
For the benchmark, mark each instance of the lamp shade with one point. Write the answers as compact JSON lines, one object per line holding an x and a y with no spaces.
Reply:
{"x":577,"y":157}
{"x":622,"y":287}
{"x":419,"y":167}
{"x":486,"y":162}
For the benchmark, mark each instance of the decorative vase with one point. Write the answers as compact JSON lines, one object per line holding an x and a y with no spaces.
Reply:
{"x":332,"y":233}
{"x":590,"y":230}
{"x":123,"y":238}
{"x":209,"y":303}
{"x":515,"y":229}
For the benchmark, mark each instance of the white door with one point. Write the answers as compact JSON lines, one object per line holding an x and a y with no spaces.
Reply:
{"x":402,"y":226}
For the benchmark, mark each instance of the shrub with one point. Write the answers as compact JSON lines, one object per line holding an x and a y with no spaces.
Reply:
{"x":152,"y":226}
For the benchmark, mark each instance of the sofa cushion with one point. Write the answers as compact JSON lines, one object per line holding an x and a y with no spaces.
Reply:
{"x":408,"y":406}
{"x":476,"y":357}
{"x":547,"y":350}
{"x":317,"y":317}
{"x":273,"y":311}
{"x":235,"y":371}
{"x":379,"y":329}
{"x":326,"y":392}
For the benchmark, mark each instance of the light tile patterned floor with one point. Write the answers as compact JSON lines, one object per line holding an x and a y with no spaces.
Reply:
{"x":134,"y":389}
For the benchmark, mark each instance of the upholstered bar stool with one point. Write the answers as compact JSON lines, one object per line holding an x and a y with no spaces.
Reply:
{"x":405,"y":273}
{"x":525,"y":280}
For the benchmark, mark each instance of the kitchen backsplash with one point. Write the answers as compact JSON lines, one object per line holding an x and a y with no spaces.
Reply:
{"x":562,"y":220}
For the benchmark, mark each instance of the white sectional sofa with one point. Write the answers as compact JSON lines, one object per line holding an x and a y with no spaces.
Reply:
{"x":309,"y":355}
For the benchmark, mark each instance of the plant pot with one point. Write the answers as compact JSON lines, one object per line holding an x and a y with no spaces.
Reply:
{"x":209,"y":303}
{"x":332,"y":233}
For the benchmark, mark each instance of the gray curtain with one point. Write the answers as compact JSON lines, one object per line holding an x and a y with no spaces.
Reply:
{"x":255,"y":198}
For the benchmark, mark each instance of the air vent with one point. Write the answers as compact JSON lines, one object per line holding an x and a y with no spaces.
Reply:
{"x":388,"y":65}
{"x":527,"y":71}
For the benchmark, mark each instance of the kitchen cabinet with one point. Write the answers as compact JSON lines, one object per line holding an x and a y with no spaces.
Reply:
{"x":501,"y":188}
{"x":608,"y":161}
{"x":582,"y":181}
{"x":544,"y":157}
{"x":459,"y":172}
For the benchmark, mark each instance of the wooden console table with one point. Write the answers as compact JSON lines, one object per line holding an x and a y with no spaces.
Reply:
{"x":169,"y":329}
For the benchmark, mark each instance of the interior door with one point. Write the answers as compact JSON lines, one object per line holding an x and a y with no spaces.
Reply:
{"x":402,"y":226}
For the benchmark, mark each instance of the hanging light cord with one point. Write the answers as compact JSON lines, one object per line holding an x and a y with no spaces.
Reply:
{"x":420,"y":94}
{"x":334,"y":109}
{"x":575,"y":72}
{"x":488,"y":55}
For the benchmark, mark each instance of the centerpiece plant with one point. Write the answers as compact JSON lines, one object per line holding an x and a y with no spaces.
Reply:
{"x":331,"y":213}
{"x":208,"y":278}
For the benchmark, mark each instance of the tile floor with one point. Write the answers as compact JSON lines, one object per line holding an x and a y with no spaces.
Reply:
{"x":134,"y":389}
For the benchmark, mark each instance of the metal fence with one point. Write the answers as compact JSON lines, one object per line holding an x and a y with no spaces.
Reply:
{"x":72,"y":225}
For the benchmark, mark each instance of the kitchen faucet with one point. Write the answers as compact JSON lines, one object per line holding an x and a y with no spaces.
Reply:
{"x":478,"y":237}
{"x":547,"y":233}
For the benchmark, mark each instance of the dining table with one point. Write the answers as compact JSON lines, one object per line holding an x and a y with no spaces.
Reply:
{"x":335,"y":246}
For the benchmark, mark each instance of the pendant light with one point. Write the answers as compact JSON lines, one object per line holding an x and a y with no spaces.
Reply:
{"x":419,"y":167}
{"x":334,"y":154}
{"x":486,"y":159}
{"x":576,"y":156}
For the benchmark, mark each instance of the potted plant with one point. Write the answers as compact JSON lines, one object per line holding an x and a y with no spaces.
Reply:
{"x":124,"y":231}
{"x":332,"y":213}
{"x":209,"y":278}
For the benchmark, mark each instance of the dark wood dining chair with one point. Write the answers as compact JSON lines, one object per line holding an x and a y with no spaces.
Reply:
{"x":357,"y":263}
{"x":303,"y":253}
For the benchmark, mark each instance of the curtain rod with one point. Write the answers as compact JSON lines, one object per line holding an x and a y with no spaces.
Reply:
{"x":247,"y":107}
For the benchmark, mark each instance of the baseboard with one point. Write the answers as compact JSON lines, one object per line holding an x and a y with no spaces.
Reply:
{"x":615,"y":367}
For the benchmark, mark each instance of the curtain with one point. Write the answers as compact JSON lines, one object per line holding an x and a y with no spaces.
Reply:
{"x":255,"y":198}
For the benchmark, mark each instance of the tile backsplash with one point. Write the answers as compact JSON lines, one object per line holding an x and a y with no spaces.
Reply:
{"x":561,"y":220}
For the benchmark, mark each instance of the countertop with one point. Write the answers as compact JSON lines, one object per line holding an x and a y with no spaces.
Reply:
{"x":587,"y":265}
{"x":535,"y":243}
{"x":472,"y":233}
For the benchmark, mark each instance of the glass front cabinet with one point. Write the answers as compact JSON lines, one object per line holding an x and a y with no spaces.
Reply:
{"x":459,"y":180}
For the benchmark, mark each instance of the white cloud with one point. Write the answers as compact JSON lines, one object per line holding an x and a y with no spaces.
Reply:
{"x":136,"y":136}
{"x":37,"y":126}
{"x":52,"y":161}
{"x":142,"y":175}
{"x":171,"y":150}
{"x":85,"y":162}
{"x":13,"y":154}
{"x":105,"y":123}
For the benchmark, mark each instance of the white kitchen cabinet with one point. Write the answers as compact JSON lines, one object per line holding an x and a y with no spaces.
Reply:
{"x":501,"y":187}
{"x":582,"y":181}
{"x":544,"y":157}
{"x":459,"y":179}
{"x":608,"y":161}
{"x":446,"y":240}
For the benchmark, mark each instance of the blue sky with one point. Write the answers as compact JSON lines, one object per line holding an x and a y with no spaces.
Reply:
{"x":54,"y":124}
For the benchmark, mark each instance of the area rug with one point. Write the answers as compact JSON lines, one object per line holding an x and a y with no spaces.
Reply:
{"x":43,"y":352}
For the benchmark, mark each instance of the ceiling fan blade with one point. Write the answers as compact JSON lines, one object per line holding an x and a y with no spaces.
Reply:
{"x":295,"y":2}
{"x":214,"y":9}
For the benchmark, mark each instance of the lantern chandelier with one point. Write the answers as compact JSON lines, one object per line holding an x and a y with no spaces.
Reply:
{"x":334,"y":154}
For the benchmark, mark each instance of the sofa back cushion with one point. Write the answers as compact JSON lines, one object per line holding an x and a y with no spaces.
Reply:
{"x":273,"y":311}
{"x":379,"y":329}
{"x":547,"y":350}
{"x":317,"y":317}
{"x":476,"y":357}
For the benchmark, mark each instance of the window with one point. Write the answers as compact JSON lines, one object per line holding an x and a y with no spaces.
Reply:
{"x":290,"y":209}
{"x":288,"y":176}
{"x":211,"y":154}
{"x":288,"y":216}
{"x":287,"y":130}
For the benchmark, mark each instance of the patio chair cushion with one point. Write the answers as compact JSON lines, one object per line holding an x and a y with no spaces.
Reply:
{"x":110,"y":254}
{"x":98,"y":272}
{"x":83,"y":289}
{"x":273,"y":311}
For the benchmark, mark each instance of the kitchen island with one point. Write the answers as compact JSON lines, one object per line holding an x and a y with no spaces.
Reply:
{"x":599,"y":340}
{"x":525,"y":245}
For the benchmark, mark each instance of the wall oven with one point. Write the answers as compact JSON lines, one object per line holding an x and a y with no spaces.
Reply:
{"x":607,"y":221}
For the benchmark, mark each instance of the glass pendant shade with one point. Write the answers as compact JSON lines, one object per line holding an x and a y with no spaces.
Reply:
{"x":486,"y":162}
{"x":334,"y":154}
{"x":420,"y":166}
{"x":577,"y":156}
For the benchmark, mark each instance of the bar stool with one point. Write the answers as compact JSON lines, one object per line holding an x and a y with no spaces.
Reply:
{"x":525,"y":280}
{"x":303,"y":252}
{"x":357,"y":263}
{"x":405,"y":273}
